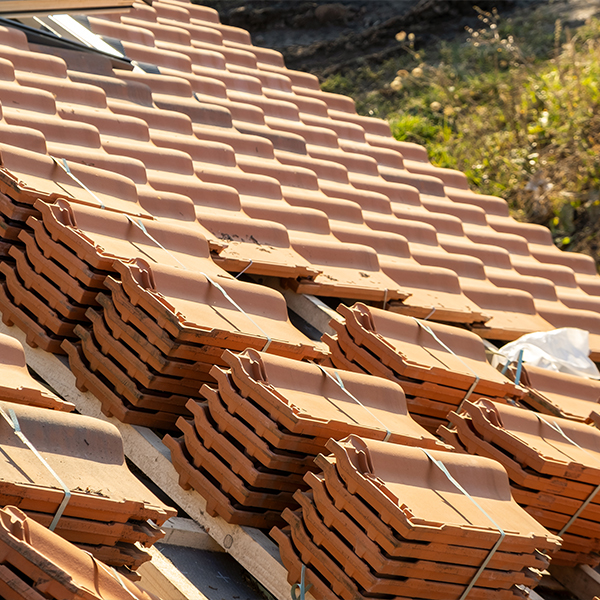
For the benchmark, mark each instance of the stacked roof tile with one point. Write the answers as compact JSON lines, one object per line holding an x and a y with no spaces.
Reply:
{"x":76,"y":251}
{"x":176,"y":319}
{"x":218,"y":133}
{"x":438,"y":366}
{"x":127,"y":200}
{"x":557,"y":393}
{"x":37,"y":563}
{"x":257,"y":434}
{"x":291,"y":112}
{"x":406,"y":522}
{"x":108,"y":512}
{"x":553,"y":465}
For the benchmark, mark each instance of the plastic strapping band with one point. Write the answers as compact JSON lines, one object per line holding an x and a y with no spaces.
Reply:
{"x":431,"y":312}
{"x":14,"y":423}
{"x":62,"y":163}
{"x":301,"y":587}
{"x":440,"y":465}
{"x":338,"y":380}
{"x":558,"y":429}
{"x":222,"y":290}
{"x":437,"y":339}
{"x":244,"y":269}
{"x":519,"y":366}
{"x":139,"y":224}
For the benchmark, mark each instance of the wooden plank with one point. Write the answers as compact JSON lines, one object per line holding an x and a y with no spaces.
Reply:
{"x":257,"y":553}
{"x":187,"y":533}
{"x":581,"y":581}
{"x":162,"y":578}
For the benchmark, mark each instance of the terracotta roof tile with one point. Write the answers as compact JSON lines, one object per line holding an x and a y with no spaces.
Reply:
{"x":552,"y":392}
{"x":258,"y":432}
{"x":217,"y":502}
{"x":148,"y":17}
{"x":18,"y":385}
{"x":385,"y":569}
{"x":434,"y":374}
{"x":372,"y":536}
{"x":120,"y":511}
{"x":266,"y":379}
{"x":551,"y":464}
{"x":53,"y":566}
{"x":343,"y":527}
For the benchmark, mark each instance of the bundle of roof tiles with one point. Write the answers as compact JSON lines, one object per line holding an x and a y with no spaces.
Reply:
{"x":68,"y":471}
{"x":370,"y":182}
{"x":143,"y":357}
{"x":281,"y":178}
{"x":438,"y":366}
{"x":36,"y":563}
{"x":553,"y":465}
{"x":387,"y":519}
{"x":556,"y":393}
{"x":257,"y":434}
{"x":162,"y":330}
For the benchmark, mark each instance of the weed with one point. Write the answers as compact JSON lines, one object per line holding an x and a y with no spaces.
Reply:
{"x":514,"y":105}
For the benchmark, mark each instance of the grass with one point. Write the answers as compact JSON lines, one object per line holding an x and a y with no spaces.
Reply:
{"x":513,"y":104}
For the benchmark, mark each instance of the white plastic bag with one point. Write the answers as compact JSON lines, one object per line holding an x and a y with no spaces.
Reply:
{"x":566,"y":350}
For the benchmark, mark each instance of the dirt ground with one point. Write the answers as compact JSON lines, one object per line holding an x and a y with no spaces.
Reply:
{"x":324,"y":36}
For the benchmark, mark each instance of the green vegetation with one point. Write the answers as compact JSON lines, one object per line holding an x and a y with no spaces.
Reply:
{"x":514,"y":105}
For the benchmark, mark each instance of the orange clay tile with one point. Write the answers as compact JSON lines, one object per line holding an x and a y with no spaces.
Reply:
{"x":359,"y":461}
{"x":113,"y":403}
{"x":140,"y":319}
{"x":85,"y":439}
{"x":537,"y":442}
{"x":347,"y":588}
{"x":147,"y":352}
{"x":27,"y":301}
{"x":269,"y":430}
{"x":371,"y":537}
{"x":54,"y":567}
{"x":289,"y":459}
{"x":135,"y":393}
{"x":516,"y":472}
{"x":45,"y":288}
{"x":17,"y":385}
{"x":188,"y":306}
{"x":253,"y":473}
{"x":396,"y":337}
{"x":385,"y":569}
{"x":61,"y":254}
{"x":136,"y":368}
{"x":307,"y":399}
{"x":563,"y":394}
{"x":36,"y":335}
{"x":218,"y":503}
{"x":102,"y":534}
{"x":551,"y":499}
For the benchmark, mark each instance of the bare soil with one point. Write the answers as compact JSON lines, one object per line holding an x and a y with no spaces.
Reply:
{"x":325,"y":37}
